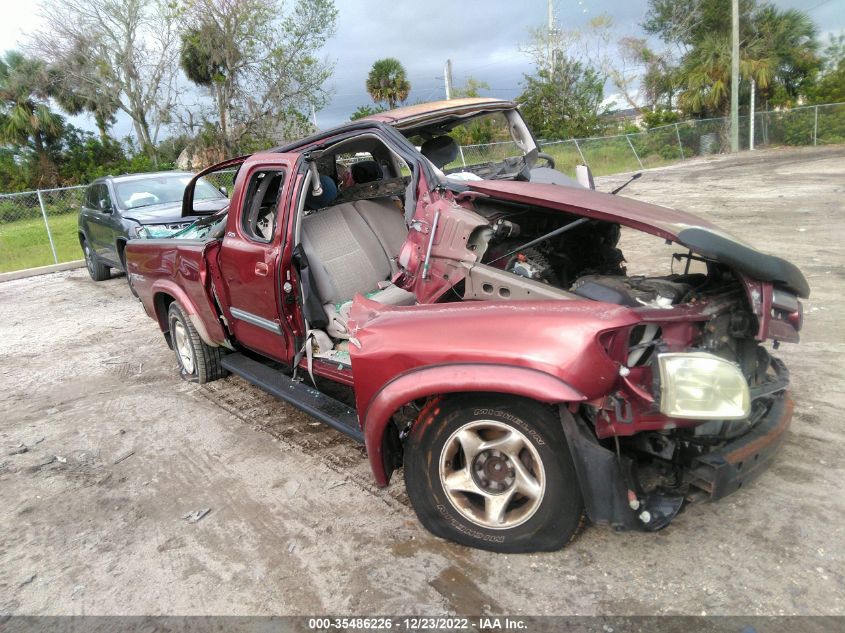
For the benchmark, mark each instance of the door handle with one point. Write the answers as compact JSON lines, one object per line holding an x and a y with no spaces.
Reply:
{"x":261,"y":269}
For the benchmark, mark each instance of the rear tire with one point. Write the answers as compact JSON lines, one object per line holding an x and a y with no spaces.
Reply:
{"x":97,"y":270}
{"x":197,"y":361}
{"x":493,"y":472}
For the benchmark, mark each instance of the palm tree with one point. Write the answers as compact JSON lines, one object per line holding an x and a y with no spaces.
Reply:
{"x":778,"y":51}
{"x":387,"y":82}
{"x":76,"y":99}
{"x":25,"y":117}
{"x":790,"y":39}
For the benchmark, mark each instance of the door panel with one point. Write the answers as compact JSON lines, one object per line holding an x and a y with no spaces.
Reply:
{"x":99,"y":224}
{"x":250,"y":252}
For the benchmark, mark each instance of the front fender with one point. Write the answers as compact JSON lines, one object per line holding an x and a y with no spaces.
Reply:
{"x":545,"y":350}
{"x":454,"y":378}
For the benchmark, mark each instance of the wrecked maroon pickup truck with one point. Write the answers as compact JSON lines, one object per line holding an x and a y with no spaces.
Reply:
{"x":475,"y":325}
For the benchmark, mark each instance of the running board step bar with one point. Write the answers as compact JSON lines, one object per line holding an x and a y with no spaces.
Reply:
{"x":313,"y":402}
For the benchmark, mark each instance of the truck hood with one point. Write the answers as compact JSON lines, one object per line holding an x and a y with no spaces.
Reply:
{"x":172,"y":212}
{"x":643,"y":216}
{"x":694,"y":232}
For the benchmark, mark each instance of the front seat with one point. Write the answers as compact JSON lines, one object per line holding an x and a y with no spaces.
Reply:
{"x":440,"y":150}
{"x":347,"y":247}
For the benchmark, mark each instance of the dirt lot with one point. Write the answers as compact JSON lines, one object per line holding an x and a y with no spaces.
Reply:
{"x":296,"y":526}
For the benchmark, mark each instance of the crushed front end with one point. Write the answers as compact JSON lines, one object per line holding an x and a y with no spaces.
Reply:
{"x":699,"y":409}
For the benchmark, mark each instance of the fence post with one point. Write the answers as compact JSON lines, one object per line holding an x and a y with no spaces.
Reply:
{"x":578,"y":147}
{"x":815,"y":124}
{"x":680,"y":145}
{"x":637,"y":156}
{"x":461,"y":150}
{"x":47,"y":226}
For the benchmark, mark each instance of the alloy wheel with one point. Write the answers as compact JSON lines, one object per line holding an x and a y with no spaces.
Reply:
{"x":89,"y":259}
{"x":183,"y":347}
{"x":492,"y":474}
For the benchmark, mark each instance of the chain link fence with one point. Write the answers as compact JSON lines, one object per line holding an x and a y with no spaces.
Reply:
{"x":38,"y":228}
{"x":803,"y":126}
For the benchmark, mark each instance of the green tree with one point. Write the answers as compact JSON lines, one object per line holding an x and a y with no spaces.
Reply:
{"x":777,"y":50}
{"x":566,"y":104}
{"x":830,"y":87}
{"x":365,"y":110}
{"x":259,"y":65}
{"x":26,"y":120}
{"x":387,"y":82}
{"x":472,"y":88}
{"x":125,"y":49}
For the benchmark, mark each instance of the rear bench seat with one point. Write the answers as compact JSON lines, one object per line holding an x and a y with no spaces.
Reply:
{"x":352,"y":249}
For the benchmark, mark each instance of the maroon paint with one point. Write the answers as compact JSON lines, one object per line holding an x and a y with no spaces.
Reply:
{"x":249,"y":267}
{"x":179,"y":273}
{"x":643,"y":216}
{"x":547,"y":342}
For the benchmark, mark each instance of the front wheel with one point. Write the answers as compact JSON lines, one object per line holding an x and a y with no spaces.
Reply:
{"x":493,"y":472}
{"x":198,"y":362}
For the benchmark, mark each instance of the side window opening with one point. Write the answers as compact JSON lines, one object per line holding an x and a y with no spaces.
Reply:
{"x":261,"y":205}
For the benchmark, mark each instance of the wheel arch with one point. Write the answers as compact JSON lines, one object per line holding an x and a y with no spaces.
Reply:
{"x":441,"y":380}
{"x":120,"y":247}
{"x":161,"y":303}
{"x":163,"y":296}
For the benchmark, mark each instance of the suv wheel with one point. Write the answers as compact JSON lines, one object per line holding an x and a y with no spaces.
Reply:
{"x":198,"y":362}
{"x":98,"y":271}
{"x":493,"y":472}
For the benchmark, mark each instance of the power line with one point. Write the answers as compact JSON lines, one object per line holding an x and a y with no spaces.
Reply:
{"x":822,"y":3}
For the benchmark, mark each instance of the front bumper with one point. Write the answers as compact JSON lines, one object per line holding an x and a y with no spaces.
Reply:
{"x":605,"y":485}
{"x":727,"y":469}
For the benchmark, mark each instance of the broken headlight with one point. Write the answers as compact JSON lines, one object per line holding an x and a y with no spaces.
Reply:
{"x":697,"y":385}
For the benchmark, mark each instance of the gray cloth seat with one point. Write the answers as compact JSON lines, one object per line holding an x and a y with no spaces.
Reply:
{"x":352,"y":249}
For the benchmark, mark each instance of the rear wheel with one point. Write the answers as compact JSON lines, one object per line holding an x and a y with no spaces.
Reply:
{"x":198,"y":362}
{"x":97,"y":270}
{"x":493,"y":472}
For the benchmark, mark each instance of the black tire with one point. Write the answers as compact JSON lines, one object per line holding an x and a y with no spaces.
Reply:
{"x":122,"y":254}
{"x":97,"y":270}
{"x":549,"y":520}
{"x":204,"y":364}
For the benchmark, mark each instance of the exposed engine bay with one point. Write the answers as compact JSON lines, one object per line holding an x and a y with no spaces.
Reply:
{"x":585,"y":262}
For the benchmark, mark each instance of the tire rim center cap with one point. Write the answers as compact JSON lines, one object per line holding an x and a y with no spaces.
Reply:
{"x":494,"y":471}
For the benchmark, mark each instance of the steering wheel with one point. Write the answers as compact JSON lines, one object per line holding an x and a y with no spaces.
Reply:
{"x":547,"y":158}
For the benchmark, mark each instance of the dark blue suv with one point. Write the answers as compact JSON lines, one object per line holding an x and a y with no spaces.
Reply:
{"x":116,"y":209}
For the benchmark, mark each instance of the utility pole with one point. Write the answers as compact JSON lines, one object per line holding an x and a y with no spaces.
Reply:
{"x":734,"y":76}
{"x":550,"y":47}
{"x":447,"y":77}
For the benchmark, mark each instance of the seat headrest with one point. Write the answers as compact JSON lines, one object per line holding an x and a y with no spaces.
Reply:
{"x":324,"y":199}
{"x":440,"y":150}
{"x":366,"y":171}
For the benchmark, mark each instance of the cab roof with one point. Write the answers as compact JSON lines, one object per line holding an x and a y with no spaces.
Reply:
{"x":415,"y":114}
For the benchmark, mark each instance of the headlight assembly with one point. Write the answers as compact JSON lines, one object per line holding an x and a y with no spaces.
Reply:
{"x":702,"y":386}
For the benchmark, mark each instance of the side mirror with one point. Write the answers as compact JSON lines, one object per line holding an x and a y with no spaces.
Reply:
{"x":224,"y":191}
{"x":105,"y":205}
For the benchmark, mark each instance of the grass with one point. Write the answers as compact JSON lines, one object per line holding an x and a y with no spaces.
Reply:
{"x":24,"y":243}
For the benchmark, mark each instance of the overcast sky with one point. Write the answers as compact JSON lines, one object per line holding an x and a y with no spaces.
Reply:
{"x":481,"y":37}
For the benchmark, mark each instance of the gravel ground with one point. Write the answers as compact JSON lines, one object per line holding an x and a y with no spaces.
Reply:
{"x":104,"y":451}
